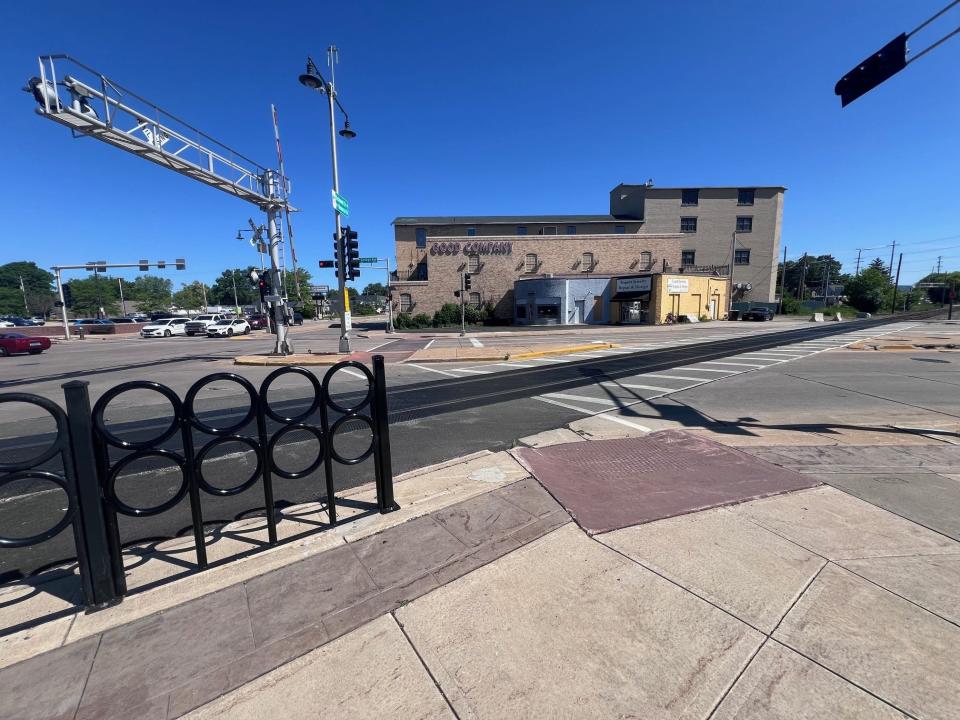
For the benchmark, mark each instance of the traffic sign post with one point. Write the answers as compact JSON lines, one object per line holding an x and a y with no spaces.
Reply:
{"x":340,"y":203}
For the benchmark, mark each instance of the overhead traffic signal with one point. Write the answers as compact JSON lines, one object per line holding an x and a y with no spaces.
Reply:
{"x":351,"y":254}
{"x":466,"y":281}
{"x":327,"y":264}
{"x":143,"y":265}
{"x":881,"y":66}
{"x":181,"y":264}
{"x":67,"y":295}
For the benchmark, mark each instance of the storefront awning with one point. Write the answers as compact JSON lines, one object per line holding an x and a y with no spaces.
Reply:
{"x":631,"y":296}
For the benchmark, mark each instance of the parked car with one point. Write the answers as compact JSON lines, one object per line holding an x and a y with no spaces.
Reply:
{"x":297,"y":318}
{"x":18,"y":321}
{"x":122,"y":320}
{"x":161,"y":316}
{"x":38,"y":320}
{"x":139,"y":317}
{"x":758,"y":313}
{"x":6,"y":324}
{"x":164,"y":327}
{"x":199,"y":324}
{"x":93,"y":326}
{"x":258,"y":322}
{"x":11,"y":343}
{"x":228,"y":328}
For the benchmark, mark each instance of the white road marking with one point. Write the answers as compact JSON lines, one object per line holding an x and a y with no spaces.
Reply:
{"x":751,"y":356}
{"x":430,"y":369}
{"x":381,"y":345}
{"x":714,"y":370}
{"x":354,"y":373}
{"x":515,"y":365}
{"x":475,"y":342}
{"x":672,"y":377}
{"x":468,"y":370}
{"x":581,"y":398}
{"x":547,"y":360}
{"x":717,"y":362}
{"x":427,"y":346}
{"x":632,"y":386}
{"x":585,"y":355}
{"x":611,"y":418}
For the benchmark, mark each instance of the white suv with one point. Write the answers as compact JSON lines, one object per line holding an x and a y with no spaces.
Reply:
{"x":165,"y":328}
{"x":199,"y":324}
{"x":228,"y":328}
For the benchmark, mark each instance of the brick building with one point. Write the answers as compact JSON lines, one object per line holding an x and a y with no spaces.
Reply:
{"x":648,"y":228}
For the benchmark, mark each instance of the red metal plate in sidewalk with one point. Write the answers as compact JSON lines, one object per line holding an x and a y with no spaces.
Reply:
{"x":610,"y":484}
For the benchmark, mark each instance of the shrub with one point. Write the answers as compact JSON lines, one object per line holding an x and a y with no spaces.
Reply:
{"x":421,"y":320}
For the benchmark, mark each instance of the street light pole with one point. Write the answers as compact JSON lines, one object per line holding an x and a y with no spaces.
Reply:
{"x":236,"y":301}
{"x":63,"y":305}
{"x":314,"y":80}
{"x":123,"y":307}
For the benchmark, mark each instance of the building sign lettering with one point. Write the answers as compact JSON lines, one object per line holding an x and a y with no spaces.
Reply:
{"x":678,"y":285}
{"x":635,"y":284}
{"x":472,"y":248}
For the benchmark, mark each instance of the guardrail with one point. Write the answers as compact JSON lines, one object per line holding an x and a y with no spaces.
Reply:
{"x":93,"y":458}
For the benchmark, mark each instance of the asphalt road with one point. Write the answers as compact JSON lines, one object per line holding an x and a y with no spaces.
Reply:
{"x":430,"y":420}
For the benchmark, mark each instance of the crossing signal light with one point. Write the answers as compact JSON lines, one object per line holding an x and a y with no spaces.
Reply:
{"x":881,"y":66}
{"x":466,"y":281}
{"x":327,"y":264}
{"x":263,"y":284}
{"x":351,"y":253}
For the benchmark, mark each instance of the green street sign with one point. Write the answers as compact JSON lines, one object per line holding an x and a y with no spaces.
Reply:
{"x":340,"y":203}
{"x":368,"y":261}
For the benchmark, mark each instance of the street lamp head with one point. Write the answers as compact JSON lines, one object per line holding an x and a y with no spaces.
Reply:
{"x":239,"y":235}
{"x":347,"y":132}
{"x":311,"y":78}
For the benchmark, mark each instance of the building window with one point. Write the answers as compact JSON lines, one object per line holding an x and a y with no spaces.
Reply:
{"x":744,"y":223}
{"x":688,"y":257}
{"x":473,"y":264}
{"x":646,"y":259}
{"x":471,"y":232}
{"x":475,"y":299}
{"x":406,"y":302}
{"x":521,"y":312}
{"x":421,"y":237}
{"x":586,"y":262}
{"x":530,"y":263}
{"x":688,"y":224}
{"x":688,"y":198}
{"x":741,"y":257}
{"x":571,"y":229}
{"x":521,"y":229}
{"x":745,"y":197}
{"x":620,"y":229}
{"x":549,"y":230}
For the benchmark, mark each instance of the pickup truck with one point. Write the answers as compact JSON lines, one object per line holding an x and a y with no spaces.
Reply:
{"x":199,"y":324}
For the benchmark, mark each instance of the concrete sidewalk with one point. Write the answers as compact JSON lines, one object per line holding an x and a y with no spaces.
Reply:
{"x":482,"y":598}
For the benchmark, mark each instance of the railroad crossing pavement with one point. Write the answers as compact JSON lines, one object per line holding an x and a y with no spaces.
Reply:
{"x":751,"y":591}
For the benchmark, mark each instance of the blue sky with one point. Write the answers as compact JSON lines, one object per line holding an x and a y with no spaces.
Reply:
{"x":488,"y":108}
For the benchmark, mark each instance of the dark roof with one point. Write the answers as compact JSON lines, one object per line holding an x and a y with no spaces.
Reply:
{"x":694,"y":186}
{"x":504,"y":219}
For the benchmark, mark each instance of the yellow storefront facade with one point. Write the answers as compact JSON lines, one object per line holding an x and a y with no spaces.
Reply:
{"x":656,"y":298}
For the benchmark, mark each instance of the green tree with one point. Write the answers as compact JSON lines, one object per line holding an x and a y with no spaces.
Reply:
{"x":375,"y":289}
{"x":870,"y":290}
{"x":37,"y":283}
{"x":152,"y":293}
{"x":221,"y":292}
{"x":878,"y":264}
{"x":940,"y":294}
{"x":189,"y":297}
{"x":94,"y":294}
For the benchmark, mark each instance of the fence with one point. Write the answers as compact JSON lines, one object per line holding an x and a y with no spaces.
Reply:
{"x":89,"y":467}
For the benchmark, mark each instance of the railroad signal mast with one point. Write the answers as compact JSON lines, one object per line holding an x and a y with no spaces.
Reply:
{"x":91,"y":105}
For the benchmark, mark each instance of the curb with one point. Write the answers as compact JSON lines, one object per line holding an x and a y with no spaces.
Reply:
{"x":284,"y":360}
{"x":562,"y":351}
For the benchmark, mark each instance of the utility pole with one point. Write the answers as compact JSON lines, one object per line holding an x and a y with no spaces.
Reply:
{"x":939,"y":260}
{"x":892,"y":248}
{"x":859,"y":250}
{"x":203,"y":289}
{"x":896,"y":283}
{"x":803,"y":279}
{"x":23,"y":289}
{"x":783,"y":278}
{"x":123,"y":307}
{"x":282,"y":347}
{"x":236,"y":302}
{"x":953,"y":295}
{"x":826,"y":286}
{"x":63,"y":306}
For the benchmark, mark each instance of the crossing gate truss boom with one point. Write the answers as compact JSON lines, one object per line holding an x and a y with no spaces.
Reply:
{"x":91,"y":104}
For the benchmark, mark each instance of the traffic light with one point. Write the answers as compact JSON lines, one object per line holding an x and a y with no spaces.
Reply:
{"x":263,"y":284}
{"x":881,"y":66}
{"x":67,"y":295}
{"x":337,"y":251}
{"x":351,"y":254}
{"x":161,"y":264}
{"x":466,"y":281}
{"x":144,"y":265}
{"x":327,"y":264}
{"x":181,"y":264}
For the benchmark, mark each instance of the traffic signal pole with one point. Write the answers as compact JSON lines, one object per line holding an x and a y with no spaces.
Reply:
{"x":463,"y":323}
{"x":342,"y":264}
{"x":63,"y":306}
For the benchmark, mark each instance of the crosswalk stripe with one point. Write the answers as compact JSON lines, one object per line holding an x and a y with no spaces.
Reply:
{"x":581,"y":398}
{"x":717,"y":362}
{"x":634,"y":386}
{"x":672,"y":377}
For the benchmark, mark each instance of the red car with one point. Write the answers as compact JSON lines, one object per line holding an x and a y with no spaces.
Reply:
{"x":17,"y":343}
{"x":258,"y":322}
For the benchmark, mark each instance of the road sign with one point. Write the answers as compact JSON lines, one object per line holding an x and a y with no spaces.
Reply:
{"x":317,"y":289}
{"x":271,"y":298}
{"x":340,"y":203}
{"x":368,"y":261}
{"x":931,"y":285}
